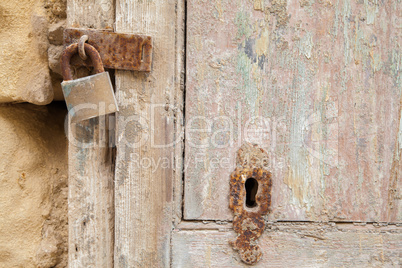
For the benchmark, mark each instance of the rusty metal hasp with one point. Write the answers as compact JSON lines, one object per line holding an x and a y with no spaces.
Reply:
{"x":250,"y":200}
{"x":117,"y":50}
{"x":89,"y":96}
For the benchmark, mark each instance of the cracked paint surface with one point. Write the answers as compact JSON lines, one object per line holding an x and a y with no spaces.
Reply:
{"x":317,"y":84}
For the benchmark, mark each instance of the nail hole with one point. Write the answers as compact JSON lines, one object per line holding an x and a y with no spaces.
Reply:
{"x":251,"y":191}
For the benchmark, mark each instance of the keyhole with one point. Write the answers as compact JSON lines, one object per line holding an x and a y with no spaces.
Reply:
{"x":251,"y":191}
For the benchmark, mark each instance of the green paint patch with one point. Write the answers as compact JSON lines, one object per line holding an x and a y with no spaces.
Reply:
{"x":305,"y":45}
{"x":346,"y":26}
{"x":242,"y":21}
{"x":371,"y":7}
{"x":244,"y":68}
{"x":395,"y":65}
{"x":299,"y":163}
{"x":335,"y":27}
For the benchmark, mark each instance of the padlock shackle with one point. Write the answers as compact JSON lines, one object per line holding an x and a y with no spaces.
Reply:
{"x":72,"y":50}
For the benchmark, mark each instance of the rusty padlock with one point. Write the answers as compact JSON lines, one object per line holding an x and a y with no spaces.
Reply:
{"x":90,"y":96}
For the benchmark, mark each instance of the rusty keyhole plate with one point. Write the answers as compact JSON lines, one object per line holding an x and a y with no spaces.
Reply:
{"x":248,"y":222}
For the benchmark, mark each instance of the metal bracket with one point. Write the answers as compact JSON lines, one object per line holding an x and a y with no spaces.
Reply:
{"x":117,"y":50}
{"x":250,"y":200}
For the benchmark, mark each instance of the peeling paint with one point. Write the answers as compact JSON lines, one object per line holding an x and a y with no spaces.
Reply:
{"x":279,"y":9}
{"x":346,"y":26}
{"x":259,"y":5}
{"x":328,"y":81}
{"x":244,"y":67}
{"x":262,"y":43}
{"x":371,"y":10}
{"x":242,"y":22}
{"x":306,"y":45}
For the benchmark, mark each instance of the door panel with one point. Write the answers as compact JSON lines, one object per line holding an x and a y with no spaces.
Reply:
{"x":293,"y":245}
{"x":317,"y":85}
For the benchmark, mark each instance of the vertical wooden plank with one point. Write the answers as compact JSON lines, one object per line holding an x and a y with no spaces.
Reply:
{"x":394,"y":192}
{"x":91,"y":14}
{"x":145,"y":164}
{"x":315,"y":84}
{"x":91,"y":172}
{"x":179,"y":110}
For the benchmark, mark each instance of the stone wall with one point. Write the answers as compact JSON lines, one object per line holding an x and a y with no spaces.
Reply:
{"x":33,"y":186}
{"x":30,"y":46}
{"x":33,"y":146}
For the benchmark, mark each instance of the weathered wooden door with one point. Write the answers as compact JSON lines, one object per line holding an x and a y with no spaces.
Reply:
{"x":317,"y":86}
{"x":309,"y":90}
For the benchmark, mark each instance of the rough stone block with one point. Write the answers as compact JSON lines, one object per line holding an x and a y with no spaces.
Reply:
{"x":33,"y":186}
{"x":56,"y":33}
{"x":24,"y":71}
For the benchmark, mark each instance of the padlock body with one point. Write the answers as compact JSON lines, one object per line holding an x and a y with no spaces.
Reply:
{"x":89,"y":97}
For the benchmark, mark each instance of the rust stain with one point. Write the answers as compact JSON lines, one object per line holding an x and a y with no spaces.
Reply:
{"x":249,"y":222}
{"x":117,"y":50}
{"x":250,"y":155}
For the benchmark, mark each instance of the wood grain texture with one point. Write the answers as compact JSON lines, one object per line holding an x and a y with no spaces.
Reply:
{"x":146,"y":125}
{"x":294,"y":245}
{"x":179,"y":111}
{"x":317,"y":85}
{"x":95,"y":14}
{"x":90,"y":159}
